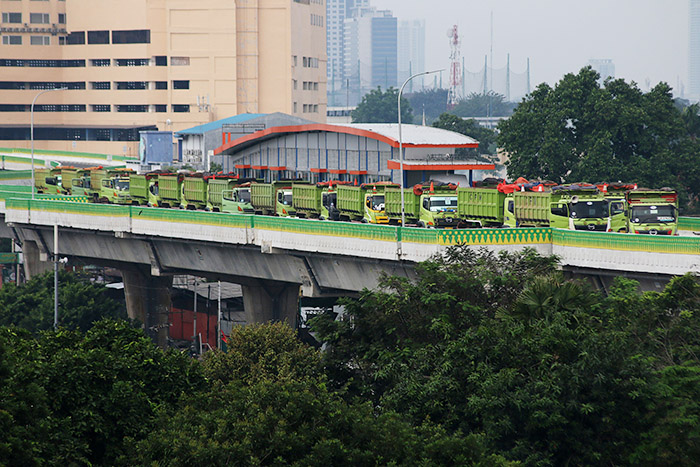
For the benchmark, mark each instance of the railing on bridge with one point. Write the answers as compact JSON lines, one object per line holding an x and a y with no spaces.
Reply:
{"x":79,"y":206}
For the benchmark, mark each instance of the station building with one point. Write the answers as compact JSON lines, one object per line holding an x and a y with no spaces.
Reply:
{"x":367,"y":152}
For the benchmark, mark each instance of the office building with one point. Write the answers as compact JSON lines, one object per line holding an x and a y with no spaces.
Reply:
{"x":370,"y":58}
{"x":411,"y":53}
{"x":604,"y":66}
{"x":132,"y":65}
{"x":336,"y":13}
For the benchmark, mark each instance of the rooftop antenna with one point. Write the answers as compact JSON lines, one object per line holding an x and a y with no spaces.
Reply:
{"x":455,"y":67}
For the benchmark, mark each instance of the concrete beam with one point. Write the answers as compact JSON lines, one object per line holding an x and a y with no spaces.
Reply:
{"x":33,"y":263}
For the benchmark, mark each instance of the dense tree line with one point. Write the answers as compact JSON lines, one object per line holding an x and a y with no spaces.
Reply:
{"x":486,"y":359}
{"x":580,"y":130}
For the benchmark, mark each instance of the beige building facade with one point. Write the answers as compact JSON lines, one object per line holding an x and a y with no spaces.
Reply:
{"x":131,"y":65}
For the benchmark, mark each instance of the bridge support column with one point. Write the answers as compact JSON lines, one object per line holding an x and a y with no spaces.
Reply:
{"x":148,"y":300}
{"x":33,"y":265}
{"x":271,"y":302}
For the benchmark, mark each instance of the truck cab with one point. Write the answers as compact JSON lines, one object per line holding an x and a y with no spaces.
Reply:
{"x":438,"y":210}
{"x":652,"y":212}
{"x":284,"y":203}
{"x":237,"y":200}
{"x":329,"y":205}
{"x":115,"y":190}
{"x":374,"y":209}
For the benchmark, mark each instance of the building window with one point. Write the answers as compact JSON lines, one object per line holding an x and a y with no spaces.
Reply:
{"x":12,"y":17}
{"x":294,"y":60}
{"x":132,"y":108}
{"x":98,"y":37}
{"x":102,"y":134}
{"x":136,"y":36}
{"x":294,"y":83}
{"x":101,"y":108}
{"x":132,"y":62}
{"x":101,"y":85}
{"x":181,"y":84}
{"x":76,"y":38}
{"x":161,"y":108}
{"x":315,"y":86}
{"x":161,"y":60}
{"x":131,"y":85}
{"x":100,"y":62}
{"x":161,"y":85}
{"x":61,"y":18}
{"x":12,"y":40}
{"x":306,"y":108}
{"x":181,"y":108}
{"x":39,"y":18}
{"x":12,"y":108}
{"x":59,"y":108}
{"x":40,"y":40}
{"x":180,"y":61}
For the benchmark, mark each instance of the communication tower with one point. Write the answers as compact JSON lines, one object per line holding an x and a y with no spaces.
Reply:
{"x":455,"y":67}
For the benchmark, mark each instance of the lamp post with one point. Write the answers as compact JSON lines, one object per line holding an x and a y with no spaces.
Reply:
{"x":403,"y":213}
{"x":32,"y":129}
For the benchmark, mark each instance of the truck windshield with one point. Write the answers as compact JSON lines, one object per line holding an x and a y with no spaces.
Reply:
{"x":286,"y":198}
{"x":122,"y":185}
{"x":377,"y":202}
{"x":653,"y":214}
{"x":243,"y":195}
{"x":589,"y":209}
{"x":330,"y":199}
{"x":443,"y":203}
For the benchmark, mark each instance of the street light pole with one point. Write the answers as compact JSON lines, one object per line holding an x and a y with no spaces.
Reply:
{"x":32,"y":129}
{"x":403,"y":211}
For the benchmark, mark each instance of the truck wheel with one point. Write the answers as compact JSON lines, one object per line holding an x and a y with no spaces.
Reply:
{"x":421,"y":224}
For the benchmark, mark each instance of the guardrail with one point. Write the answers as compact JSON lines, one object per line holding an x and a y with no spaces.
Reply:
{"x":84,"y":155}
{"x":78,"y":205}
{"x":689,"y":223}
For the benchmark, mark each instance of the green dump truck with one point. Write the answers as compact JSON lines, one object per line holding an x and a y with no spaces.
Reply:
{"x":652,"y":212}
{"x":317,"y":201}
{"x":194,"y":192}
{"x":170,"y":190}
{"x":237,"y":200}
{"x":216,"y":185}
{"x":424,"y":205}
{"x":88,"y":182}
{"x":114,"y":188}
{"x":364,"y":202}
{"x":144,"y":188}
{"x":483,"y":207}
{"x":272,"y":199}
{"x":48,"y":181}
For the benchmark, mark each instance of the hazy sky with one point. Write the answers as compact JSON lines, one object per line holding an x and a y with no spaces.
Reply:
{"x":646,"y":39}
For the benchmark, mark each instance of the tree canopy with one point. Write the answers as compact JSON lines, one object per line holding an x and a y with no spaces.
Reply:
{"x":582,"y":131}
{"x":432,"y":101}
{"x":379,"y":106}
{"x":485,"y":136}
{"x":484,"y":105}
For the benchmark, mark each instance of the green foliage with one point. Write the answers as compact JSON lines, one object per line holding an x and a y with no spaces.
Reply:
{"x":580,"y":131}
{"x":31,"y":306}
{"x":74,"y":398}
{"x":489,"y":104}
{"x":269,"y":404}
{"x":500,"y":345}
{"x":432,"y":101}
{"x":215,"y":167}
{"x":379,"y":106}
{"x":485,"y":136}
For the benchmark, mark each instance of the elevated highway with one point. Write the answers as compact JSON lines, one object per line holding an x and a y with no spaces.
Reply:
{"x":276,"y":259}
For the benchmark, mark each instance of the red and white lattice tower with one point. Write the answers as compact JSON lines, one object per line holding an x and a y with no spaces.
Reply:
{"x":455,"y":67}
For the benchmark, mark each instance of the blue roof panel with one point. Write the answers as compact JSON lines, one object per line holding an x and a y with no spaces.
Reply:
{"x":201,"y":129}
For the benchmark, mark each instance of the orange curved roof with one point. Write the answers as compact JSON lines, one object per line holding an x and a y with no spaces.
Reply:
{"x":413,"y":136}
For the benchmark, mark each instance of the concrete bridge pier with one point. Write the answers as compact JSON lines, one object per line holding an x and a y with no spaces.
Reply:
{"x":35,"y":261}
{"x":148,"y":300}
{"x":271,"y":301}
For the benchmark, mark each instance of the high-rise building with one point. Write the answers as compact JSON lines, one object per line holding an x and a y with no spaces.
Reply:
{"x":411,"y":52}
{"x":370,"y":58}
{"x":694,"y":49}
{"x":130,"y":65}
{"x":336,"y":13}
{"x":604,"y":66}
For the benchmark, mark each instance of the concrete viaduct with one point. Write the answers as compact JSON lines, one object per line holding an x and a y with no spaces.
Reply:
{"x":277,"y":259}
